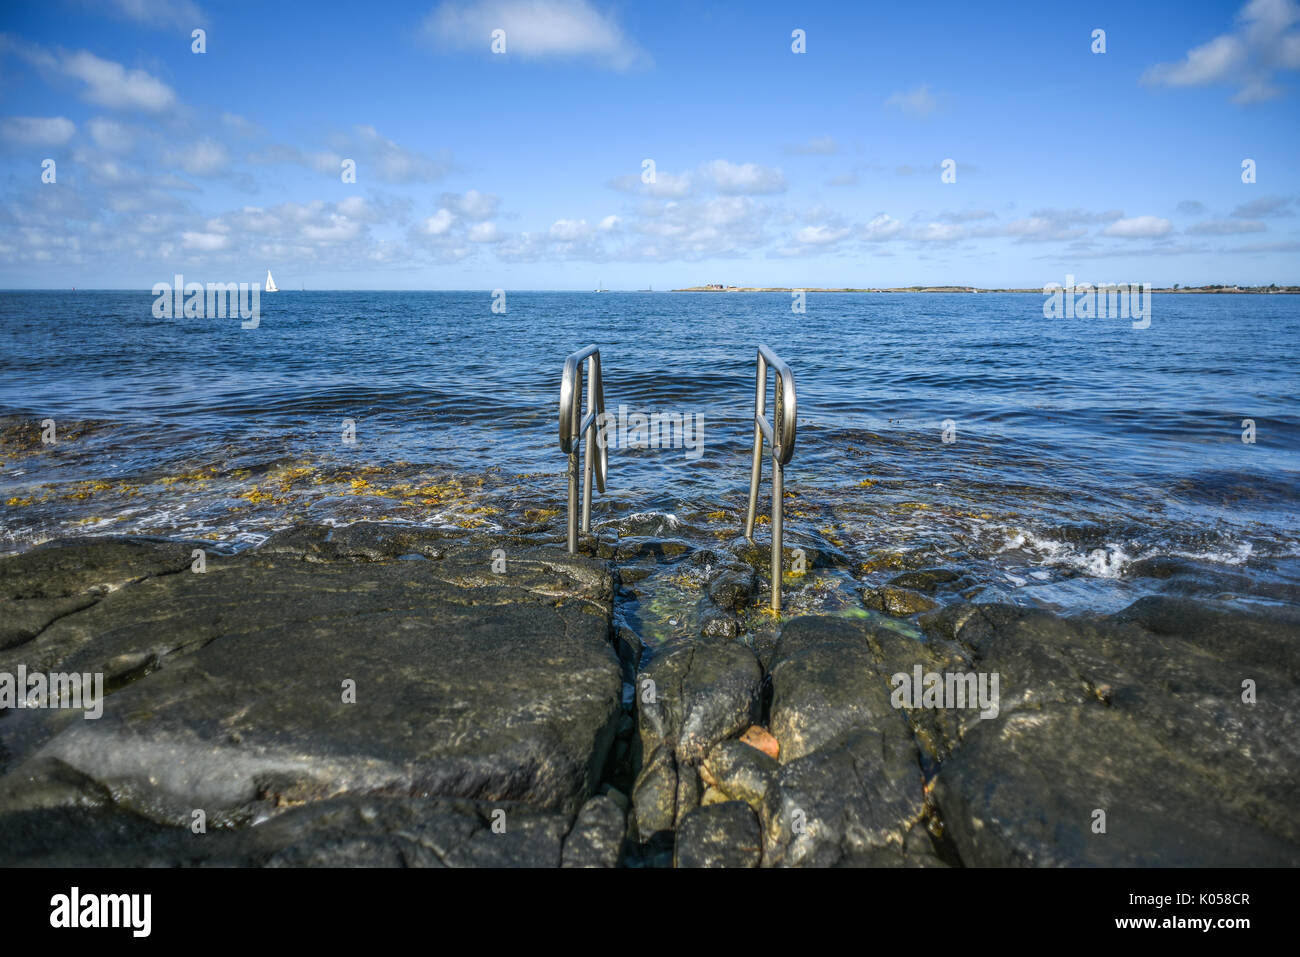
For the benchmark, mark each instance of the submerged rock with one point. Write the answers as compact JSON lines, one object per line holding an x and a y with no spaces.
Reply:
{"x":925,"y":579}
{"x":895,"y":601}
{"x":733,"y":588}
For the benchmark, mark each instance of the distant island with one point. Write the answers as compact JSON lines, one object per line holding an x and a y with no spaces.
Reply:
{"x":1212,"y":289}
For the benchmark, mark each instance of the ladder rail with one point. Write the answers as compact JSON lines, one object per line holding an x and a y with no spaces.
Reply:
{"x":780,"y":435}
{"x":575,"y":426}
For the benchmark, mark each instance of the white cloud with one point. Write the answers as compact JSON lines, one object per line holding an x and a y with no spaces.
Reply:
{"x":570,"y":231}
{"x":1138,"y":227}
{"x":38,"y":130}
{"x":204,"y":158}
{"x":745,"y":179}
{"x":820,"y":235}
{"x":721,"y":226}
{"x":339,"y":229}
{"x":439,"y":223}
{"x":537,"y":29}
{"x":162,"y":13}
{"x":665,"y":186}
{"x":1067,"y":217}
{"x":131,"y":222}
{"x":1037,"y":228}
{"x":1263,"y":44}
{"x":111,"y":84}
{"x":395,"y":164}
{"x":485,"y":233}
{"x":610,"y":223}
{"x":361,"y":209}
{"x":967,"y":215}
{"x":111,"y":135}
{"x":1211,"y":62}
{"x":204,"y":242}
{"x":881,"y":228}
{"x":916,"y":102}
{"x":473,"y":205}
{"x":936,"y":233}
{"x":376,"y":157}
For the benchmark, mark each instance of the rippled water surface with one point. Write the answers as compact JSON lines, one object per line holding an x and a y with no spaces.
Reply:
{"x":1084,"y":449}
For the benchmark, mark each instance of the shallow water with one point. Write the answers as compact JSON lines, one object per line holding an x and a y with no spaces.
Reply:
{"x":1082,"y":446}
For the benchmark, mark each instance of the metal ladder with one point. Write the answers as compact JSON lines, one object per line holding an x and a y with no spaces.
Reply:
{"x":780,"y":434}
{"x":574,"y":426}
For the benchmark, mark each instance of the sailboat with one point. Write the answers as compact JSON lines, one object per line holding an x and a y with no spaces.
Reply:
{"x":270,"y":283}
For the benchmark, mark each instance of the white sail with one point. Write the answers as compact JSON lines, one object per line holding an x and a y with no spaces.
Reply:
{"x":270,"y":283}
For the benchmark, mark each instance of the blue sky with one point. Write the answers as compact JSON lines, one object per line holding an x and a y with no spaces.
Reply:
{"x":524,"y":169}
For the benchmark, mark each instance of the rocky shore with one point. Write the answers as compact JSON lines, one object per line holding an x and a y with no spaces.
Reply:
{"x":385,"y":695}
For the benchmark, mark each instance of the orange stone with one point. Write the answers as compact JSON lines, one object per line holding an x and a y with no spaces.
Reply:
{"x":761,"y":739}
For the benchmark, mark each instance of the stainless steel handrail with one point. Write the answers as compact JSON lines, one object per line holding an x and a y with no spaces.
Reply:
{"x":574,"y":425}
{"x":780,"y":434}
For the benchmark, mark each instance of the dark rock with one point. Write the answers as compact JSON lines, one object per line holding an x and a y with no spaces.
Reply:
{"x":688,"y":792}
{"x":704,"y":692}
{"x":743,"y":773}
{"x":947,"y":622}
{"x":617,"y":796}
{"x":348,"y":831}
{"x":597,"y":836}
{"x":719,"y":835}
{"x":629,"y":646}
{"x":850,"y":784}
{"x":925,"y":579}
{"x":359,"y":832}
{"x":1140,"y":715}
{"x":758,"y":555}
{"x":365,"y":541}
{"x":660,"y":549}
{"x":54,"y":580}
{"x":1159,"y":566}
{"x":898,"y":602}
{"x":720,"y":626}
{"x":631,"y":574}
{"x":498,"y":688}
{"x":858,"y":794}
{"x":654,"y":795}
{"x":733,"y":588}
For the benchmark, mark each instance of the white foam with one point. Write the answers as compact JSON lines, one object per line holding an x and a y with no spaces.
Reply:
{"x":1114,"y":558}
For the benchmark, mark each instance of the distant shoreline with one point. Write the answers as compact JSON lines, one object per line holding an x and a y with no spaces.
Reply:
{"x":969,"y":290}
